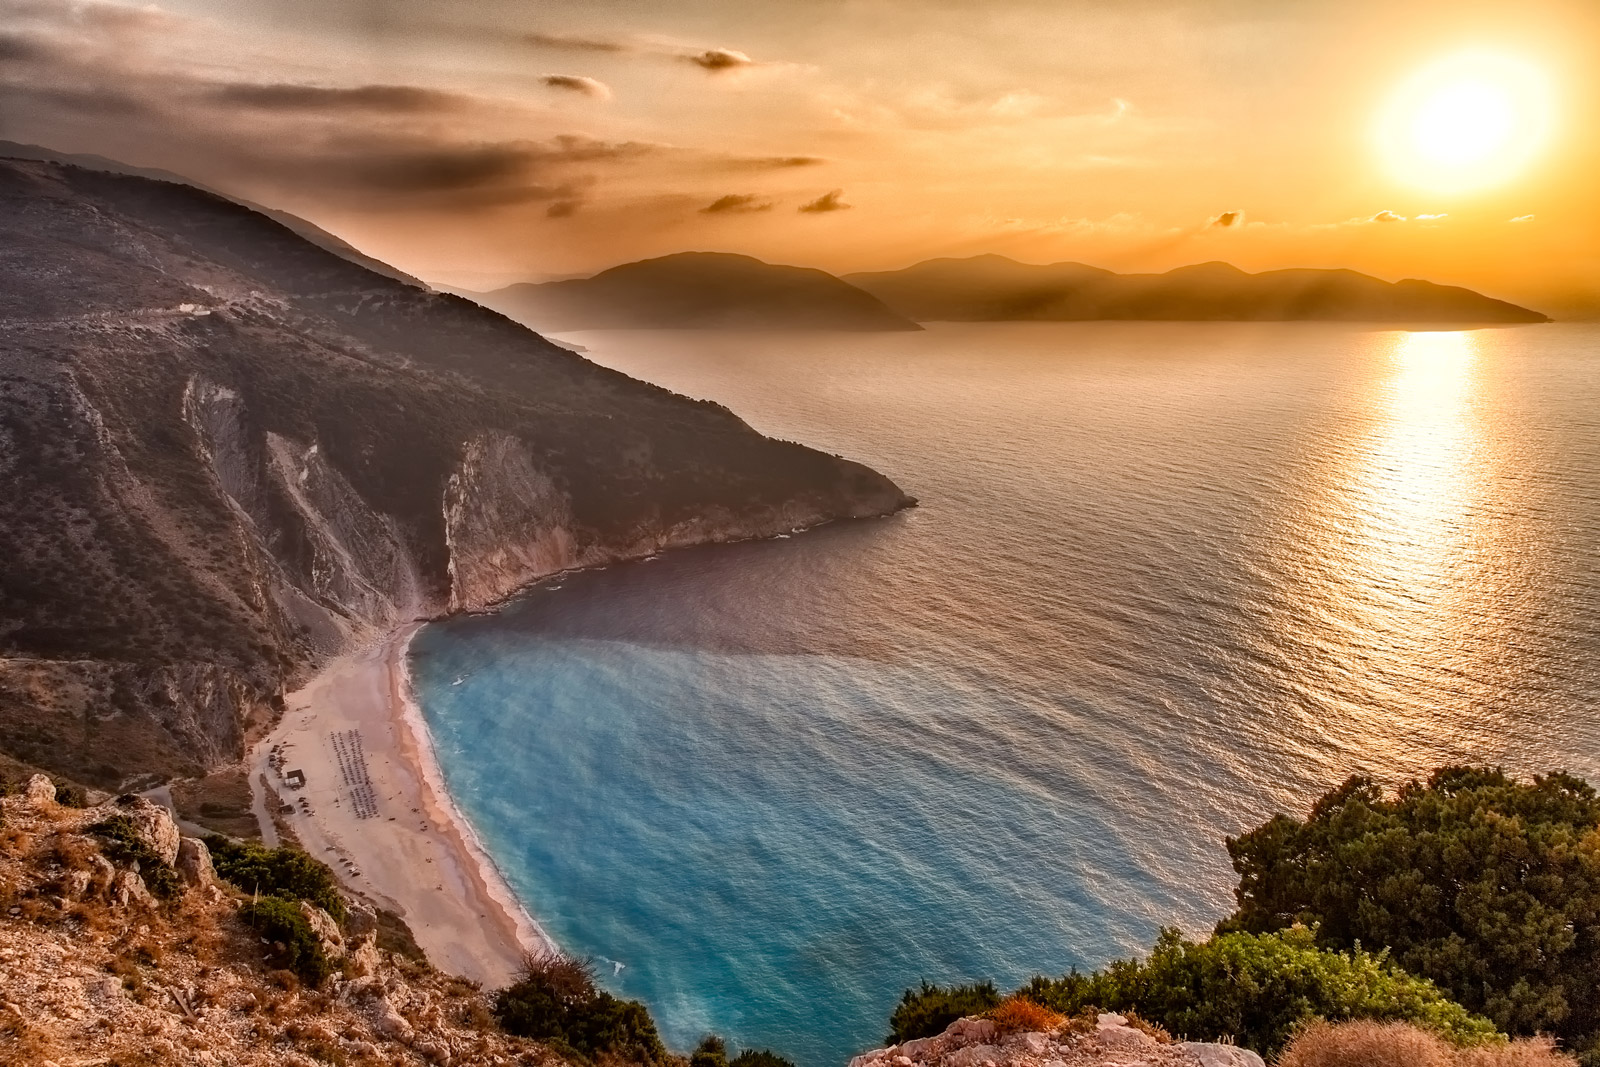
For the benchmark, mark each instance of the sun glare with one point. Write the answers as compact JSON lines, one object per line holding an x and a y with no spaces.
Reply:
{"x":1474,"y":120}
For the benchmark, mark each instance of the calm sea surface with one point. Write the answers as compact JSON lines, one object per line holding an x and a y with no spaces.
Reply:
{"x":1165,"y":580}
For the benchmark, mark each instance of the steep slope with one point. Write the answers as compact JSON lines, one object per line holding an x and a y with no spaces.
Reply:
{"x":993,"y":288}
{"x":697,"y":290}
{"x":309,"y":230}
{"x":226,"y":453}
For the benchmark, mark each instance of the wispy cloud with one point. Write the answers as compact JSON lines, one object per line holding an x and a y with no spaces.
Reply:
{"x":1523,"y":218}
{"x":281,"y":96}
{"x":826,"y":202}
{"x":736,"y":204}
{"x":1227,"y":219}
{"x":562,"y":42}
{"x":1433,"y":218}
{"x":1387,"y":216}
{"x":577,"y":83}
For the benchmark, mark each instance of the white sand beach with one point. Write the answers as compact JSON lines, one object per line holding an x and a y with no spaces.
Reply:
{"x":375,"y":809}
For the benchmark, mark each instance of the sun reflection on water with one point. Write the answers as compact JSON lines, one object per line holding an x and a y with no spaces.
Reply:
{"x":1424,"y":471}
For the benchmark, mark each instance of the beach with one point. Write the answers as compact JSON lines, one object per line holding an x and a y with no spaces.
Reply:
{"x":374,"y":808}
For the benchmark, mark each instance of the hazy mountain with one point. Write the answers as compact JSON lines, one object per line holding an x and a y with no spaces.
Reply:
{"x":991,"y":288}
{"x":310,"y":231}
{"x":697,"y":290}
{"x":226,"y":453}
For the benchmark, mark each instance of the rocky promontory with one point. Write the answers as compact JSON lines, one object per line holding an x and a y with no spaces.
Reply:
{"x":228,"y":454}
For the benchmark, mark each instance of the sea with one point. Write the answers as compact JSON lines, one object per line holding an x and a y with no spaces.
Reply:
{"x":1164,"y":581}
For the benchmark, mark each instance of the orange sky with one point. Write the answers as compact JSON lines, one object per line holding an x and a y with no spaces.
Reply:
{"x":482,"y":141}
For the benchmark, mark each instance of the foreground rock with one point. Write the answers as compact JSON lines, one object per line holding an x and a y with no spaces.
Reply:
{"x":94,"y":969}
{"x":1109,"y":1042}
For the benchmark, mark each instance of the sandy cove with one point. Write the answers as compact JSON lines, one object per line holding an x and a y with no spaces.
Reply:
{"x":416,"y":855}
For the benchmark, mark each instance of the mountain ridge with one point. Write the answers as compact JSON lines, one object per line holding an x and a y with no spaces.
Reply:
{"x":991,"y":287}
{"x":696,"y":290}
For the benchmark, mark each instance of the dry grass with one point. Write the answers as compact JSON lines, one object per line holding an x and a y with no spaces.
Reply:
{"x":1157,"y":1032}
{"x":1527,"y":1052}
{"x":1373,"y":1044}
{"x":1017,"y":1015}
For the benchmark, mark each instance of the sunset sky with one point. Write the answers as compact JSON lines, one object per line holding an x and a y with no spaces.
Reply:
{"x":477,"y":142}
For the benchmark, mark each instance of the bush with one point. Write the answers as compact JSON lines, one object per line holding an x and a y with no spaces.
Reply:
{"x":282,"y":922}
{"x":122,"y":843}
{"x":1369,"y":1044}
{"x":71,"y":796}
{"x":1018,"y":1015}
{"x":751,"y":1057}
{"x":711,"y":1052}
{"x":287,"y":873}
{"x":1488,"y":886}
{"x":929,"y":1010}
{"x":1258,"y":989}
{"x":555,"y":1000}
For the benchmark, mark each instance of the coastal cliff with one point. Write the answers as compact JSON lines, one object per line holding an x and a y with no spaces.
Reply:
{"x":229,"y":454}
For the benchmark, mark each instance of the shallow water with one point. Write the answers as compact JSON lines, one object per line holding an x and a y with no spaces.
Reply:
{"x":1165,"y":580}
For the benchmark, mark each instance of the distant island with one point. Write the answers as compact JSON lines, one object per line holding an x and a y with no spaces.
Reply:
{"x":696,"y":291}
{"x":992,"y":288}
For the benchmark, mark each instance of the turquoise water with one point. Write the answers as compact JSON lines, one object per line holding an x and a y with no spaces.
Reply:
{"x":1165,"y":580}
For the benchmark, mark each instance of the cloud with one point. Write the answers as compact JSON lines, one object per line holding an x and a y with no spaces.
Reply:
{"x":284,"y":96}
{"x":562,"y":209}
{"x":1523,"y":218}
{"x":773,"y":162}
{"x":1226,"y":219}
{"x":1387,"y":216}
{"x":717,"y":60}
{"x":736,"y":204}
{"x":563,"y":42}
{"x":826,"y":202}
{"x":16,"y":48}
{"x":1432,"y":218}
{"x":577,"y":83}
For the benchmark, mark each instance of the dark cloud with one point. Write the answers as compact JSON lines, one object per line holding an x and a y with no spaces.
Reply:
{"x":773,"y":162}
{"x":289,"y":97}
{"x":577,"y":83}
{"x":562,"y":209}
{"x":1387,"y":216}
{"x":826,"y":202}
{"x":15,"y":48}
{"x":1227,"y":218}
{"x":736,"y":204}
{"x":717,"y":60}
{"x":568,"y":43}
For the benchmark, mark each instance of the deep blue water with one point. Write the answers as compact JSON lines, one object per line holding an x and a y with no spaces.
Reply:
{"x":1166,"y":579}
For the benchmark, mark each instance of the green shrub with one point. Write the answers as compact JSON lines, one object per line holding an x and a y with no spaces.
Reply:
{"x":752,"y":1057}
{"x":1486,"y":885}
{"x":555,"y":1000}
{"x":282,"y":922}
{"x":1257,"y":989}
{"x":71,"y":796}
{"x":280,"y":872}
{"x":711,"y":1052}
{"x":121,"y":842}
{"x":929,"y":1010}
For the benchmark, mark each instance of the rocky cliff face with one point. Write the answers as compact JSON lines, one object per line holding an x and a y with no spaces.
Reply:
{"x":227,"y":453}
{"x":95,"y":968}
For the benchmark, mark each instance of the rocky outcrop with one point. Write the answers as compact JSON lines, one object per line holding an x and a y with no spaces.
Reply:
{"x":1108,"y":1042}
{"x":152,"y":822}
{"x":94,"y":970}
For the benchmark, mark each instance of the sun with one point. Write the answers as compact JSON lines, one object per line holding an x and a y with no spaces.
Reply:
{"x":1467,"y":122}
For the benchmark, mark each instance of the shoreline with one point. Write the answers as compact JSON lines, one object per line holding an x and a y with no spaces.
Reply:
{"x":400,"y":840}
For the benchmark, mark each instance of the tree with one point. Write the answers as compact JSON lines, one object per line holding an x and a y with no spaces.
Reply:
{"x":1487,"y":886}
